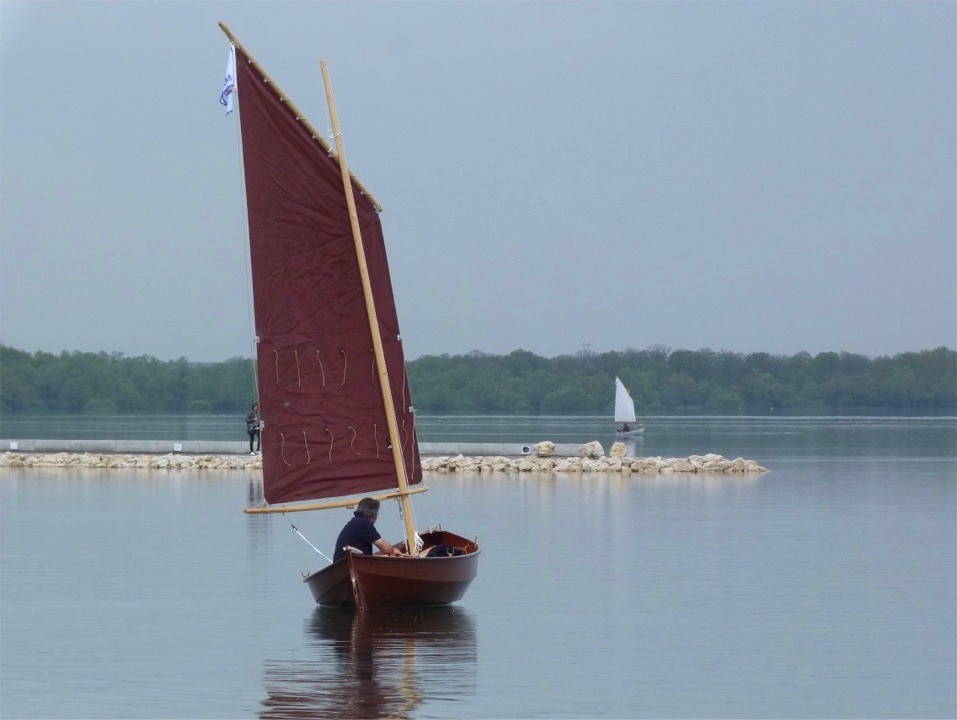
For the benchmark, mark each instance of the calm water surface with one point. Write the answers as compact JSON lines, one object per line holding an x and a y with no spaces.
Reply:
{"x":824,"y":588}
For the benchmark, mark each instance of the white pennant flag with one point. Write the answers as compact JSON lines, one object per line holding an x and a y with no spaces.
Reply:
{"x":229,"y":84}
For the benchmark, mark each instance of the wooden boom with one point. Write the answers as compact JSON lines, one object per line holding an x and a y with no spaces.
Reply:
{"x":352,"y":502}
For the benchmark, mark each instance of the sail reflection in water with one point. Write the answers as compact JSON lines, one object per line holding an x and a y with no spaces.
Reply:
{"x":376,"y":664}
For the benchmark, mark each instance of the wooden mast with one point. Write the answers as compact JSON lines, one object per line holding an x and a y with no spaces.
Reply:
{"x":383,"y":371}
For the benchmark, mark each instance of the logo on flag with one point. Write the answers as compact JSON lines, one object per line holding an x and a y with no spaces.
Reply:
{"x":229,"y":84}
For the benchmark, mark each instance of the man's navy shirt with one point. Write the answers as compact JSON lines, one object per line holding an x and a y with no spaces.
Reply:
{"x":360,"y":533}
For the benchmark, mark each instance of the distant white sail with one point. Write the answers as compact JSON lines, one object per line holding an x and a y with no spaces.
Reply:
{"x":624,"y":405}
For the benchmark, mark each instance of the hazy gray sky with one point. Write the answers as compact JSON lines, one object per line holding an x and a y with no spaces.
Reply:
{"x":739,"y":176}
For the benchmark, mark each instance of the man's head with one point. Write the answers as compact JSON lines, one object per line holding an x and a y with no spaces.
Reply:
{"x":367,"y":508}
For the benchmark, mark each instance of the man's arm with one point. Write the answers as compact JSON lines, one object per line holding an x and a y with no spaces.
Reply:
{"x":386,"y":547}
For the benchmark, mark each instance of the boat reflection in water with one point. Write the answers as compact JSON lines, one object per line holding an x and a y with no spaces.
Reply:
{"x":377,"y":664}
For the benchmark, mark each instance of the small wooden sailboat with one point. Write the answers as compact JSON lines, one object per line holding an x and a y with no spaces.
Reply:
{"x":337,"y":413}
{"x":625,"y":411}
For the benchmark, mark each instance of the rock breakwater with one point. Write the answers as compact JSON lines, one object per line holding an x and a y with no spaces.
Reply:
{"x":710,"y":463}
{"x":170,"y":461}
{"x":591,"y":458}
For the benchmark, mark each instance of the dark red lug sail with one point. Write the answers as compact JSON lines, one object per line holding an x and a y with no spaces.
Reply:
{"x":325,"y":431}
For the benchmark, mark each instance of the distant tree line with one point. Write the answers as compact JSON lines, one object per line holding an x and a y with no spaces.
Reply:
{"x":684,"y":382}
{"x":662,"y":382}
{"x":75,"y":382}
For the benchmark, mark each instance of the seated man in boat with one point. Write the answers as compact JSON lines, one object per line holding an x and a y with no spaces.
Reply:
{"x":624,"y":427}
{"x":361,"y":534}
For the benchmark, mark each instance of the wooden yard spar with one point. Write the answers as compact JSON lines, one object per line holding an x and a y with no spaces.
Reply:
{"x":292,"y":106}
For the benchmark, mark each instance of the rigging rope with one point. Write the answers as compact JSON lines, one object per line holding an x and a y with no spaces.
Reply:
{"x":321,"y":369}
{"x":307,"y":541}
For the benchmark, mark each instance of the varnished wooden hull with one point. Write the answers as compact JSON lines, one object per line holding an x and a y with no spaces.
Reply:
{"x":378,"y":581}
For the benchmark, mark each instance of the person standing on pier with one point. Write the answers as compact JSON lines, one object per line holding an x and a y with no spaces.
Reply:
{"x":253,"y":425}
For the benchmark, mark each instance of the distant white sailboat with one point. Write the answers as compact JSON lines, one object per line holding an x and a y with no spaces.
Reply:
{"x":625,"y":411}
